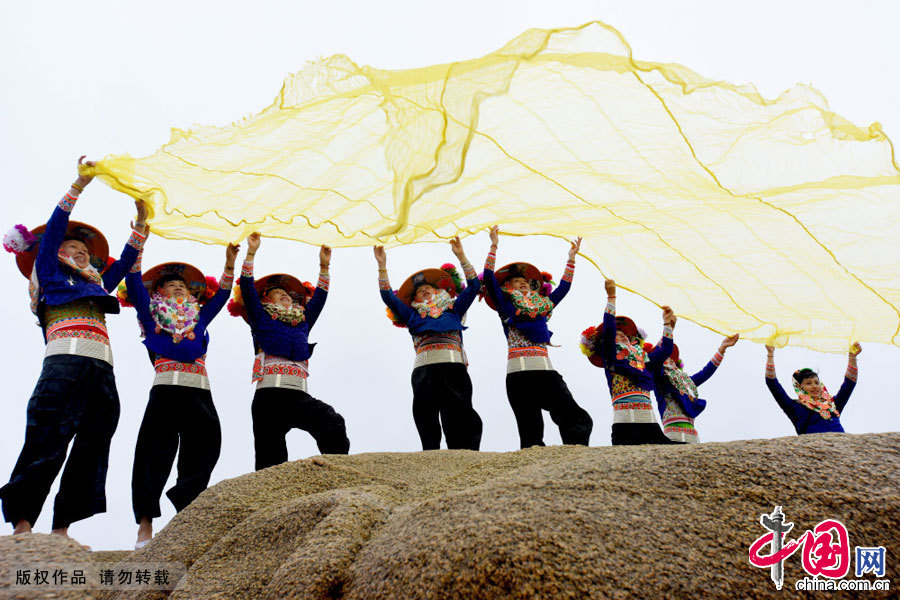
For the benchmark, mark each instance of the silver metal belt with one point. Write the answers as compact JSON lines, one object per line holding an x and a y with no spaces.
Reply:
{"x":194,"y":380}
{"x":528,"y":363}
{"x":678,"y":436}
{"x":431,"y":357}
{"x":79,"y":347}
{"x":293,"y":382}
{"x":634,"y":415}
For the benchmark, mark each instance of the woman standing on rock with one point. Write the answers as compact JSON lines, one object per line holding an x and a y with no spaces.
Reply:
{"x":75,"y":397}
{"x":431,"y":304}
{"x":677,"y":397}
{"x":175,"y":304}
{"x":517,"y":292}
{"x":281,"y":313}
{"x":617,"y":346}
{"x":814,"y":410}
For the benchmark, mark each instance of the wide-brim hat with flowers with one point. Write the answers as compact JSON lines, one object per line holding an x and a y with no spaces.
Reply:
{"x":590,"y":338}
{"x":535,"y":277}
{"x":300,"y":292}
{"x":25,"y":244}
{"x":436,"y":278}
{"x":202,"y":288}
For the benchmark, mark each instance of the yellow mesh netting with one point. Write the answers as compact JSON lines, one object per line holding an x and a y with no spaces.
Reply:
{"x":774,"y":218}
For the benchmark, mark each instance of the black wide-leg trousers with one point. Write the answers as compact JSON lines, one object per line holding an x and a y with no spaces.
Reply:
{"x":530,"y":392}
{"x":75,"y":397}
{"x":442,"y":397}
{"x":278,"y":410}
{"x":182,"y":420}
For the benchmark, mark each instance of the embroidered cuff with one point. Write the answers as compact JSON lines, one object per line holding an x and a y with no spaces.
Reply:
{"x":247,"y":269}
{"x":852,"y":373}
{"x":611,"y":306}
{"x":667,"y":331}
{"x":136,"y":268}
{"x":770,"y":368}
{"x":717,"y":358}
{"x":490,"y":262}
{"x":136,"y":240}
{"x":384,"y":283}
{"x":469,"y":270}
{"x":68,"y":202}
{"x":569,"y":272}
{"x":227,"y":281}
{"x":324,"y":281}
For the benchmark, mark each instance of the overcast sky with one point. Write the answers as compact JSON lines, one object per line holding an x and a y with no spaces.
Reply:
{"x":102,"y":78}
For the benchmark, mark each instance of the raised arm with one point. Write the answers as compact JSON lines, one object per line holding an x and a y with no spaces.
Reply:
{"x":212,"y":307}
{"x":400,"y":310}
{"x":706,"y":372}
{"x":133,"y":247}
{"x":250,"y":297}
{"x":790,"y":408}
{"x":608,"y":338}
{"x":843,"y":395}
{"x":565,"y":283}
{"x":317,"y":302}
{"x":663,"y":350}
{"x":46,"y":263}
{"x":504,"y":307}
{"x":467,"y":296}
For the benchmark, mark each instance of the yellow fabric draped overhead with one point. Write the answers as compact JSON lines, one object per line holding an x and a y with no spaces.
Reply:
{"x":777,"y":219}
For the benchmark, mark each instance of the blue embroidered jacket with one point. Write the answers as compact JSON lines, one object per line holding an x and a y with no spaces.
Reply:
{"x":450,"y":319}
{"x":275,"y":337}
{"x":641,"y":378}
{"x":59,"y":284}
{"x":665,"y":389}
{"x":806,"y":420}
{"x":161,"y":343}
{"x":535,"y":329}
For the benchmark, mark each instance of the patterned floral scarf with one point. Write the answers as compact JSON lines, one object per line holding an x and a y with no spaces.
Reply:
{"x":89,"y":273}
{"x":531,"y":304}
{"x":824,"y":405}
{"x":440,"y":302}
{"x":680,"y":380}
{"x":293,"y":316}
{"x":177,"y":316}
{"x":634,"y":353}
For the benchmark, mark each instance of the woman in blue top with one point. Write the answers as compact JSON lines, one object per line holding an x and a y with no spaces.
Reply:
{"x":677,"y":397}
{"x":281,"y":315}
{"x":516,"y":291}
{"x":173,"y":312}
{"x":76,"y":395}
{"x":814,"y":410}
{"x":442,"y":389}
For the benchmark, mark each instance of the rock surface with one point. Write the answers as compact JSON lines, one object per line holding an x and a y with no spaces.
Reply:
{"x":557,"y":522}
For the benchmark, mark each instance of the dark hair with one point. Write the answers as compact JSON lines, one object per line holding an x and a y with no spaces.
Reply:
{"x":275,"y":287}
{"x":804,"y":374}
{"x":170,"y":277}
{"x":76,"y":238}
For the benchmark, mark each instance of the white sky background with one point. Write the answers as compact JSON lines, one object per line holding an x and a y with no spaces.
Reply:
{"x":98,"y":78}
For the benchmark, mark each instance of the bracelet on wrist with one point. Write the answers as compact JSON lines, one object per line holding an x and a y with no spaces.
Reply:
{"x":77,"y":187}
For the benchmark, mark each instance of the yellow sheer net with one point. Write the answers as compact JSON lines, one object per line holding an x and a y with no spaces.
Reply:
{"x":777,"y":219}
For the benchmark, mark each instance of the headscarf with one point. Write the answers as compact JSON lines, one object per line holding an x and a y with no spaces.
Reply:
{"x":435,"y":307}
{"x":531,"y":304}
{"x":177,"y":316}
{"x":823,"y":405}
{"x":680,"y":380}
{"x":293,"y":316}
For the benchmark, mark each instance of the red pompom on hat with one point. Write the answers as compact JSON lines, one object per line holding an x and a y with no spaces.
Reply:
{"x":590,"y":339}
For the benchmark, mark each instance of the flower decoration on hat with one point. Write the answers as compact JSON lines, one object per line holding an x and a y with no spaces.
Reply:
{"x":18,"y":240}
